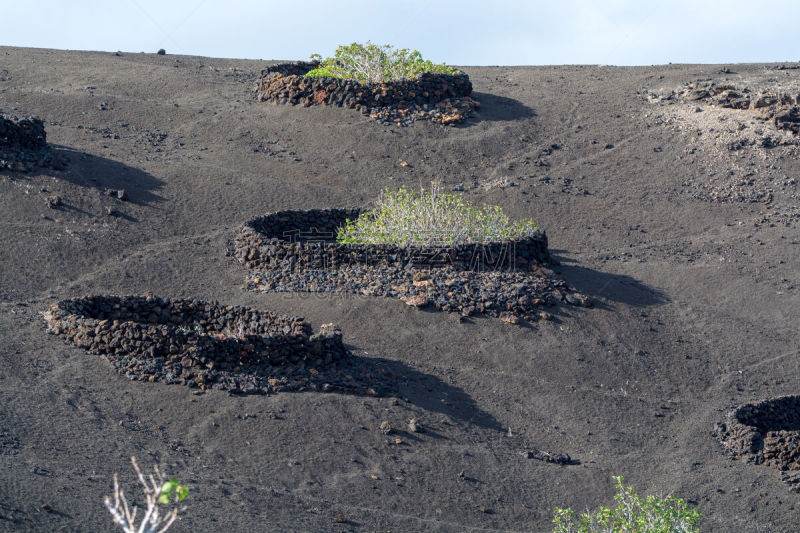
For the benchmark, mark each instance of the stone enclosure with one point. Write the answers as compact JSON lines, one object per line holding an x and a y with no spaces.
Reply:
{"x":767,"y":433}
{"x":306,"y":240}
{"x":292,"y":251}
{"x":23,"y":145}
{"x":440,"y":98}
{"x":193,"y":342}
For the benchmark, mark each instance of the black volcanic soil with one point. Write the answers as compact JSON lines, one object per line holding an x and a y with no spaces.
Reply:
{"x":695,"y":302}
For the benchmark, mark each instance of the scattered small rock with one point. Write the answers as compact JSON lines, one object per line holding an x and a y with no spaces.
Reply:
{"x":509,"y":318}
{"x":53,"y":201}
{"x":120,"y":194}
{"x":386,"y":427}
{"x":577,"y":299}
{"x":549,"y":457}
{"x":422,"y":275}
{"x":415,"y":300}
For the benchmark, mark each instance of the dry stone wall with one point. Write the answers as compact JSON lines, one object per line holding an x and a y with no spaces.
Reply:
{"x":23,"y":145}
{"x":441,"y":98}
{"x":306,"y":240}
{"x":766,"y":433}
{"x":295,"y":251}
{"x":194,"y":342}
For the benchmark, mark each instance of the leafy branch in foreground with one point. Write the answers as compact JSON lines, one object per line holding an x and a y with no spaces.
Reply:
{"x":631,"y":515}
{"x":370,"y":63}
{"x":156,"y":490}
{"x":405,"y":218}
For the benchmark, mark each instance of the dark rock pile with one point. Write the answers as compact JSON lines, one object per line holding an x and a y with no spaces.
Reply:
{"x":727,"y":95}
{"x":23,"y":145}
{"x":206,"y":345}
{"x":295,"y":251}
{"x":766,"y":433}
{"x":740,"y":134}
{"x":789,"y":119}
{"x":781,"y":108}
{"x":440,"y":98}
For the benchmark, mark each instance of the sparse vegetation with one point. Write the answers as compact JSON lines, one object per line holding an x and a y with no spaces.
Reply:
{"x":631,"y":515}
{"x":403,"y":217}
{"x":370,"y":63}
{"x":157,"y":490}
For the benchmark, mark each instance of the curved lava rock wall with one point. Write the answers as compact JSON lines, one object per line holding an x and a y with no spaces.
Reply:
{"x":23,"y":145}
{"x":766,"y":433}
{"x":443,"y":98}
{"x":190,"y":341}
{"x":306,"y":240}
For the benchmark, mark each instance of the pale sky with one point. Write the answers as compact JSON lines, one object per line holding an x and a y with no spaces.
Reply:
{"x":463,"y":32}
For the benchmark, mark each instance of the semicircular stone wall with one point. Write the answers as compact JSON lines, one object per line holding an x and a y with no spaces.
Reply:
{"x":296,"y":251}
{"x":193,"y":342}
{"x":767,"y":433}
{"x":306,"y":240}
{"x":442,"y":98}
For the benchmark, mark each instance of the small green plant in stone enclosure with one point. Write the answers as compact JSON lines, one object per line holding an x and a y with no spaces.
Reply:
{"x":631,"y":515}
{"x":157,"y":490}
{"x":370,"y":63}
{"x":431,"y":218}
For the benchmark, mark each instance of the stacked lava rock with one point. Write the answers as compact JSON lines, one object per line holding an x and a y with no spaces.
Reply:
{"x":766,"y":433}
{"x":297,"y":251}
{"x":782,"y":108}
{"x":440,"y":98}
{"x":306,"y":240}
{"x":23,"y":145}
{"x":197,"y":343}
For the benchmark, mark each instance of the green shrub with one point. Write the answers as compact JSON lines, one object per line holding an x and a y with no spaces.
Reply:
{"x":404,"y":218}
{"x":370,"y":63}
{"x":631,"y":515}
{"x":157,"y":490}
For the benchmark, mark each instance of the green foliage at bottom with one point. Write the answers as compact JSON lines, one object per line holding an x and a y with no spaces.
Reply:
{"x":172,"y":490}
{"x":631,"y":515}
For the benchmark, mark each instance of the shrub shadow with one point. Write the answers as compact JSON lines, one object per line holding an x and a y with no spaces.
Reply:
{"x":500,"y":108}
{"x":614,"y":287}
{"x":89,"y":170}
